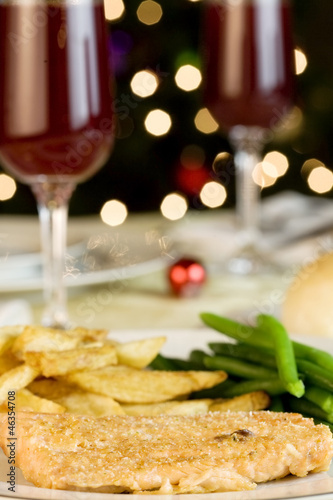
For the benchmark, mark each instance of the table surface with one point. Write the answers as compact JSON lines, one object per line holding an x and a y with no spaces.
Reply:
{"x":146,"y":301}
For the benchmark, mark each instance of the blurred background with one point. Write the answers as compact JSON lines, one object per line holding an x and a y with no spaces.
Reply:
{"x":166,"y":141}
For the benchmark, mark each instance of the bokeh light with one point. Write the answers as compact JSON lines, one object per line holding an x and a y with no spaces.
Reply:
{"x":7,"y":187}
{"x":261,"y":177}
{"x":309,"y":165}
{"x":223,"y":162}
{"x":158,"y":122}
{"x":174,"y":206}
{"x":269,"y":169}
{"x":149,"y":12}
{"x":320,"y":180}
{"x":279,"y":162}
{"x":114,"y":9}
{"x":144,"y":83}
{"x":188,"y":77}
{"x":301,"y":61}
{"x":114,"y":212}
{"x":213,"y":194}
{"x":205,"y":122}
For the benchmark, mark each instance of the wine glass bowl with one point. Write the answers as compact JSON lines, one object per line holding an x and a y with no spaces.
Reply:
{"x":249,"y":88}
{"x":56,"y":124}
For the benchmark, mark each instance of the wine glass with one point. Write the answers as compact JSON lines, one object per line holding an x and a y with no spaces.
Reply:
{"x":249,"y":88}
{"x":55,"y":115}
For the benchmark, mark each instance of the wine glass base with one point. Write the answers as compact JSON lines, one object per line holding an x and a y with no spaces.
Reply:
{"x":63,"y":324}
{"x":252,"y":262}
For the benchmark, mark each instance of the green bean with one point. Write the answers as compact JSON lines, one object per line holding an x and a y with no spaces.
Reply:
{"x":197,"y":356}
{"x":238,"y":331}
{"x":214,"y":392}
{"x":238,"y":367}
{"x":306,"y":407}
{"x":256,"y":337}
{"x":162,"y":363}
{"x":186,"y":365}
{"x":317,"y":356}
{"x":273,"y":387}
{"x":284,"y":354}
{"x":253,"y":354}
{"x":276,"y":404}
{"x":175,"y":364}
{"x":315,"y":375}
{"x":321,"y":397}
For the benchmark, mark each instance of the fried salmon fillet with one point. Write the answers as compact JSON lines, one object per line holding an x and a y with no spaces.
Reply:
{"x":166,"y":454}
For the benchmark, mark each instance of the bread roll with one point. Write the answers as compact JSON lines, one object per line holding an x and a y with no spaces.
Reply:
{"x":308,"y":305}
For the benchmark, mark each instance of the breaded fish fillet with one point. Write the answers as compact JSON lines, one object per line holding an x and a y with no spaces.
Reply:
{"x":166,"y":454}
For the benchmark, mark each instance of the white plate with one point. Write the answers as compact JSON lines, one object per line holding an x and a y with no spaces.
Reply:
{"x":180,"y":343}
{"x":94,"y":256}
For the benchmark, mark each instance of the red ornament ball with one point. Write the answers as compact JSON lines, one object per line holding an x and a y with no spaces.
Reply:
{"x":186,"y":277}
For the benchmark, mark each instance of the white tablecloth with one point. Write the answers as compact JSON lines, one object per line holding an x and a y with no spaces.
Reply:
{"x":146,"y":301}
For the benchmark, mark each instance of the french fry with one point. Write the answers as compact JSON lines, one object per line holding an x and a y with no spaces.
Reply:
{"x":130,"y":385}
{"x":8,"y":361}
{"x":189,"y":407}
{"x":8,"y":335}
{"x":37,"y":338}
{"x":50,"y":388}
{"x":88,"y":403}
{"x":89,"y":334}
{"x":253,"y":401}
{"x":15,"y":379}
{"x":27,"y":401}
{"x":51,"y":363}
{"x":76,"y":400}
{"x":88,"y":374}
{"x":140,"y":353}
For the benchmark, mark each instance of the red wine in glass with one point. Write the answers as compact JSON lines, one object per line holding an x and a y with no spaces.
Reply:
{"x":56,"y":124}
{"x":249,"y":88}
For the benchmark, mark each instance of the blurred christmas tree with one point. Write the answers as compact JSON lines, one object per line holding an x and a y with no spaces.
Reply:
{"x":144,"y":167}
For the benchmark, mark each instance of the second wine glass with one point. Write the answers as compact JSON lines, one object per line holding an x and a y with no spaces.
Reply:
{"x":55,"y":115}
{"x":249,"y":89}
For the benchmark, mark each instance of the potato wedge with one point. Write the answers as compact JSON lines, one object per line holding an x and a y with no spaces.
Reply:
{"x":89,"y":334}
{"x":27,"y":401}
{"x":15,"y":379}
{"x":76,"y":400}
{"x":88,"y":403}
{"x":8,"y":335}
{"x":130,"y":385}
{"x":50,"y":389}
{"x":53,"y":363}
{"x":189,"y":407}
{"x":140,"y":353}
{"x":253,"y":401}
{"x":8,"y":361}
{"x":37,"y":338}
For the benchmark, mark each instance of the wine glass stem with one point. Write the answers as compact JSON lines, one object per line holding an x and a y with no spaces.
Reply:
{"x":52,"y":201}
{"x":248,"y":144}
{"x":247,"y":194}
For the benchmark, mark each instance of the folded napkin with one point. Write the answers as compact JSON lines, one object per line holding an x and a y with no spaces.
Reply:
{"x":15,"y":312}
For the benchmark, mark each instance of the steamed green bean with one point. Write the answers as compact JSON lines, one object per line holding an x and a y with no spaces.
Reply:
{"x":238,"y":367}
{"x":284,"y":354}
